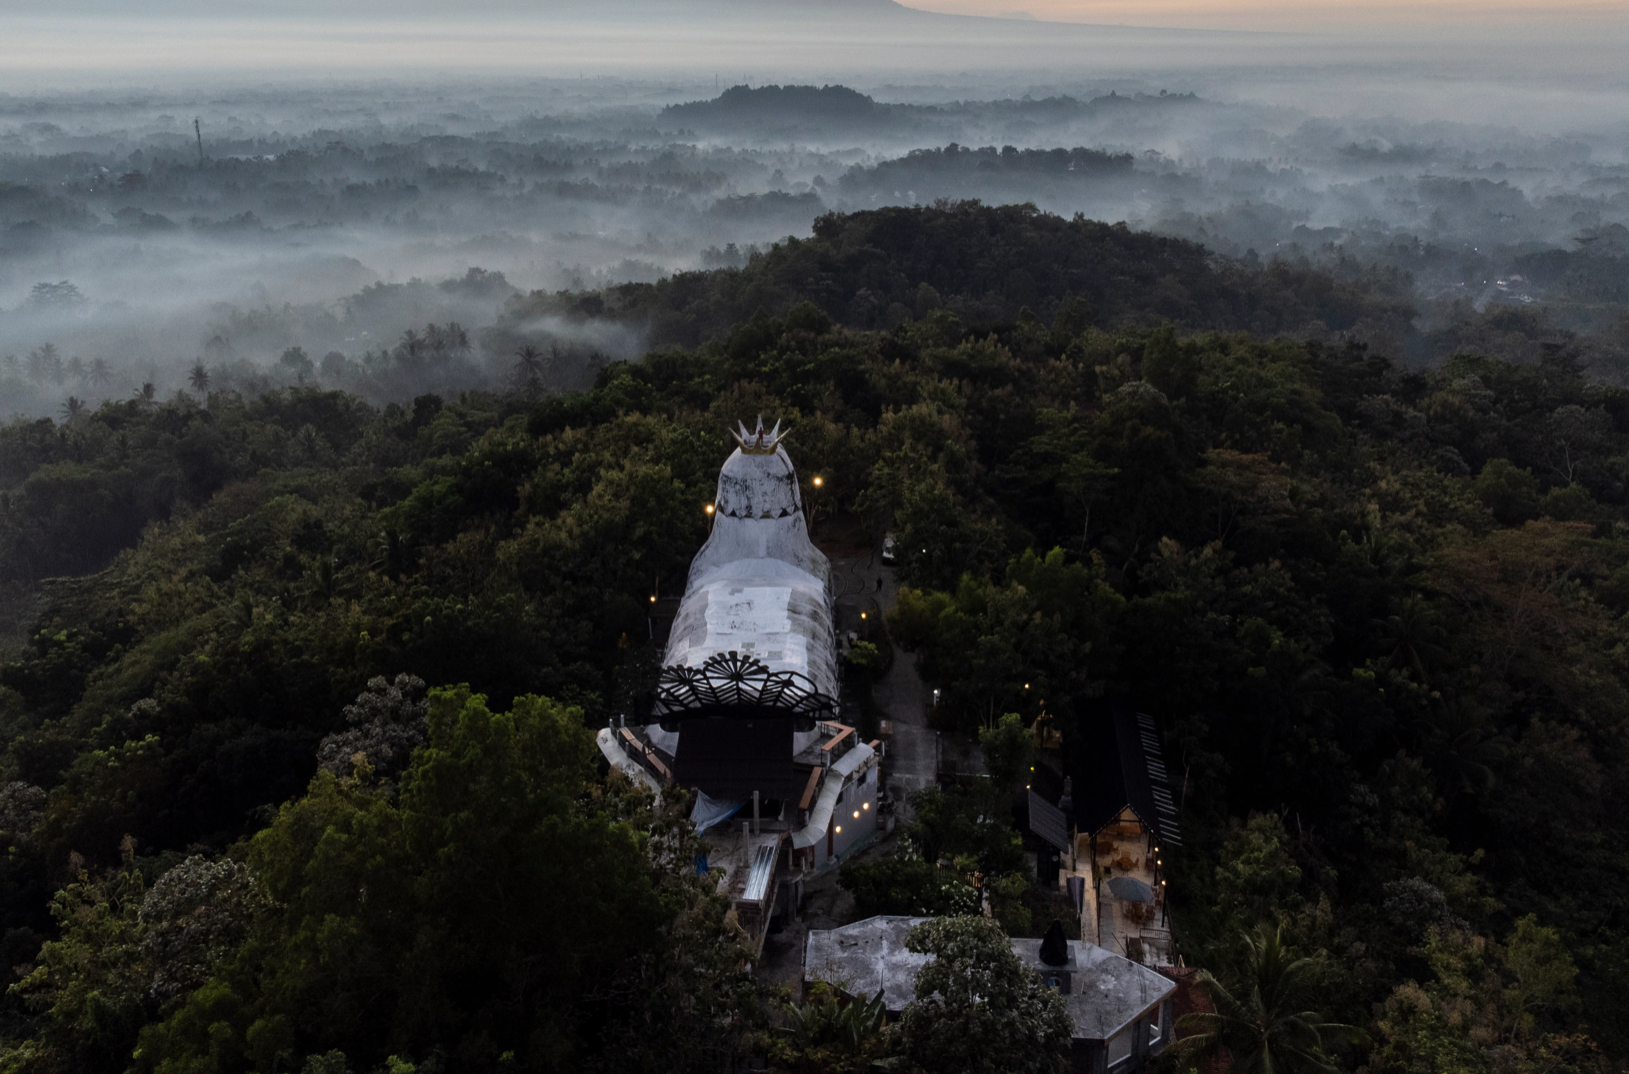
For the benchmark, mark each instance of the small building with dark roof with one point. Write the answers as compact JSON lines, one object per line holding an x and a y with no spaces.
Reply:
{"x":1125,"y":823}
{"x":1117,"y":765}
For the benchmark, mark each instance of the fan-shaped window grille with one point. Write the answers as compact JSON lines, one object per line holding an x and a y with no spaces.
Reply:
{"x":733,"y":682}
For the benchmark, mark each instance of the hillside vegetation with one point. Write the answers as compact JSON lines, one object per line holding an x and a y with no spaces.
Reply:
{"x":299,"y":761}
{"x":986,"y":265}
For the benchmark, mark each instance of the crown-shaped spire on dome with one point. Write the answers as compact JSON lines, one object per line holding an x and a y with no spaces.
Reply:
{"x":758,"y":442}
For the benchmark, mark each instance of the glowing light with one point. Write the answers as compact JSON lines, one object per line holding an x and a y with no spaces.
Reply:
{"x":862,"y":615}
{"x":866,"y":805}
{"x":839,"y":829}
{"x":856,"y":814}
{"x":709,"y":508}
{"x":819,"y":481}
{"x":653,"y":598}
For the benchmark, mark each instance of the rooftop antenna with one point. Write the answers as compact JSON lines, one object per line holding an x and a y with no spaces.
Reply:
{"x":198,"y":130}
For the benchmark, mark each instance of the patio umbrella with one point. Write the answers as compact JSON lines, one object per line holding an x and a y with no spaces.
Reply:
{"x":1130,"y":889}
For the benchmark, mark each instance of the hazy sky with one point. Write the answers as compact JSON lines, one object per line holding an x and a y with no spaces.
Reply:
{"x":1492,"y":61}
{"x":1285,"y":14}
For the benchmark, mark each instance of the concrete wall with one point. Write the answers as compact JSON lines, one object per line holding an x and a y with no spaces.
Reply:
{"x":1133,"y":1047}
{"x":1087,"y":1057}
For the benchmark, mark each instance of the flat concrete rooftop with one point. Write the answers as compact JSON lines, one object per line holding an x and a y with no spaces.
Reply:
{"x":870,"y":956}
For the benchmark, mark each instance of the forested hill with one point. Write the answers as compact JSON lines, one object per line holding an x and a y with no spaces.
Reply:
{"x":987,"y":264}
{"x":743,"y":105}
{"x":843,"y":113}
{"x":1378,"y":615}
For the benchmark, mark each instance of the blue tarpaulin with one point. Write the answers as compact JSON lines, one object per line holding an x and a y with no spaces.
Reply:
{"x":710,"y":811}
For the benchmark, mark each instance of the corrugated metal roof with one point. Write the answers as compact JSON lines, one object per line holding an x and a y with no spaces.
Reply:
{"x":1118,"y":764}
{"x":763,"y":867}
{"x":1159,"y":781}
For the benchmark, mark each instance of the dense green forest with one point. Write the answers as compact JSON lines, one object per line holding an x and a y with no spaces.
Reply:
{"x":985,"y":264}
{"x":882,"y":267}
{"x":297,"y":742}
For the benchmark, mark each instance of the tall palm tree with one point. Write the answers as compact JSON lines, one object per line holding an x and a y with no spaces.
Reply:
{"x":529,"y":370}
{"x":407,"y":351}
{"x":147,"y":395}
{"x":1263,"y":1024}
{"x":199,"y":378}
{"x":100,"y":374}
{"x":73,"y":410}
{"x":388,"y":551}
{"x":457,"y":339}
{"x":1461,"y":748}
{"x":40,"y":361}
{"x":1416,"y":635}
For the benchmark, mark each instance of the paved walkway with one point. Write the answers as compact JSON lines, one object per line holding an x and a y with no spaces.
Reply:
{"x":1116,"y":930}
{"x":913,"y":753}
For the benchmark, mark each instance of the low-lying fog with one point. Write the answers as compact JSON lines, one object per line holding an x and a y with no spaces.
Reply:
{"x":365,"y":231}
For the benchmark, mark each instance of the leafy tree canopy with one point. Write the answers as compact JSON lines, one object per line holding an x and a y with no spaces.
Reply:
{"x":977,"y":1008}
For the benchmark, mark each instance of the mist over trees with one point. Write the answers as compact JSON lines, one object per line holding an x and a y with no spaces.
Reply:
{"x":884,"y":267}
{"x":338,"y":223}
{"x":346,"y":433}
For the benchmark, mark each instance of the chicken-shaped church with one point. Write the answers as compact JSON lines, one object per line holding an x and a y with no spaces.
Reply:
{"x":746,"y":707}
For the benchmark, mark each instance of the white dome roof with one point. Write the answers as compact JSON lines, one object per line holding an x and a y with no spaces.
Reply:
{"x":759,"y":586}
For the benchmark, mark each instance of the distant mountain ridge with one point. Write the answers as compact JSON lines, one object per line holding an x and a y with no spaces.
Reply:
{"x":778,"y":104}
{"x":787,"y":108}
